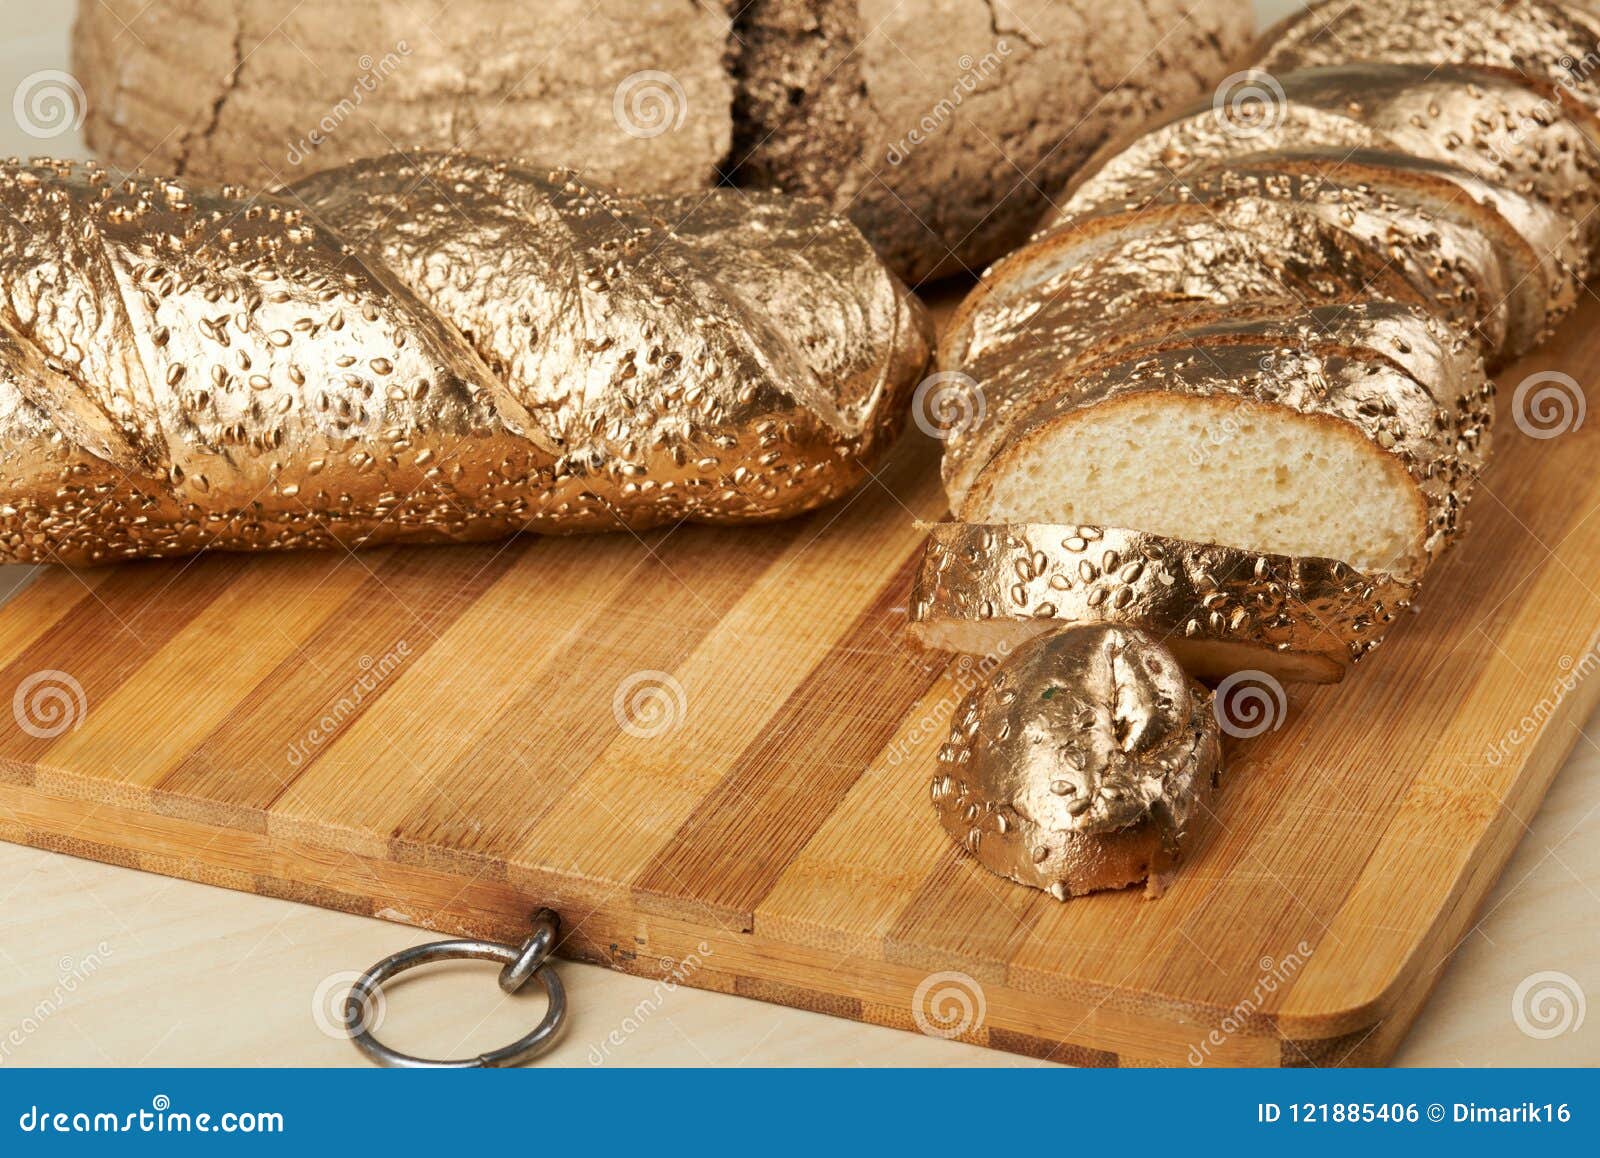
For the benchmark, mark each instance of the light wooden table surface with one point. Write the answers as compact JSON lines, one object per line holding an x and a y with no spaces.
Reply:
{"x":102,"y":965}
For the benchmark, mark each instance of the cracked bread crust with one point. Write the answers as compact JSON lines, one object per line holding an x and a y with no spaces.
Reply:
{"x":945,"y":127}
{"x":941,"y":128}
{"x":262,"y":93}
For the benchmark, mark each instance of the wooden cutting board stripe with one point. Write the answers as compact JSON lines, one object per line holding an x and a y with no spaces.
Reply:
{"x":739,"y":839}
{"x":783,"y":819}
{"x":146,"y":609}
{"x":396,"y":613}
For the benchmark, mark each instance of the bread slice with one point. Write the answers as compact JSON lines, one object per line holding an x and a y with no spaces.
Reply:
{"x":1080,"y":762}
{"x":1098,"y":286}
{"x":1547,"y":46}
{"x":1513,"y":141}
{"x":1323,"y":449}
{"x":986,"y":589}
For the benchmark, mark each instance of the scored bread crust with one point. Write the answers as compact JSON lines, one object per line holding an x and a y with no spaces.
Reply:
{"x":1080,"y":762}
{"x":1546,"y":45}
{"x":1489,"y":126}
{"x":983,"y":589}
{"x":1435,"y":433}
{"x":357,"y":360}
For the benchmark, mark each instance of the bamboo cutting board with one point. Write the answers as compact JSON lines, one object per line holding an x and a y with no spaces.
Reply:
{"x":710,"y":751}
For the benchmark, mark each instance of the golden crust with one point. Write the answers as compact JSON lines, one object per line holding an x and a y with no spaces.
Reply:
{"x":1097,"y":288}
{"x":1079,"y":763}
{"x":291,"y":371}
{"x":1486,"y":125}
{"x":984,"y":589}
{"x":1452,"y":264}
{"x":1551,"y":47}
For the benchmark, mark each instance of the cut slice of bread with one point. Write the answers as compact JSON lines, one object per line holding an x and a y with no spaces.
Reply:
{"x":1518,"y":144}
{"x":986,"y":589}
{"x":1322,"y":449}
{"x":1549,"y":47}
{"x":1096,"y":287}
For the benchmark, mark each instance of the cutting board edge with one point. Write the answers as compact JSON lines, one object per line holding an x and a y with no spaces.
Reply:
{"x":242,"y":860}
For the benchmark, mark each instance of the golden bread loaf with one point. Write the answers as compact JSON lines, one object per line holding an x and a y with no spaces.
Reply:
{"x":366,"y":358}
{"x":1231,"y":398}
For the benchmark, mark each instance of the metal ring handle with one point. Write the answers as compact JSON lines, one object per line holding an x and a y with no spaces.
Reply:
{"x":529,"y":961}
